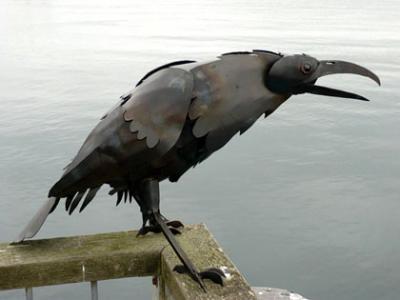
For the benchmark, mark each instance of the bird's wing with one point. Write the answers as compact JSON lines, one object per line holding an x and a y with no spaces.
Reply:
{"x":230,"y":96}
{"x":150,"y":116}
{"x":158,"y":107}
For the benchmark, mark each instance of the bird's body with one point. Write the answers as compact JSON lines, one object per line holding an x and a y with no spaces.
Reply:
{"x":172,"y":120}
{"x":175,"y":117}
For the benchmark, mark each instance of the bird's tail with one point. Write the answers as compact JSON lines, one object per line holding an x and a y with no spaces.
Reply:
{"x":37,"y":221}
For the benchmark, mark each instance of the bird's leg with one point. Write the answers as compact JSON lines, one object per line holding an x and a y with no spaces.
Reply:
{"x":150,"y":194}
{"x":147,"y":228}
{"x":147,"y":218}
{"x":153,"y":226}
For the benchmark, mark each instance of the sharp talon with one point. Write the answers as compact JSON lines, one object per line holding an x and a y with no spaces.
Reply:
{"x":181,"y":269}
{"x":214,"y":274}
{"x":175,"y":231}
{"x":175,"y":224}
{"x":142,"y":231}
{"x":217,"y":270}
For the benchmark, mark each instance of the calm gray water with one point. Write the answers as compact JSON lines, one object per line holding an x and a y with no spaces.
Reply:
{"x":307,"y":200}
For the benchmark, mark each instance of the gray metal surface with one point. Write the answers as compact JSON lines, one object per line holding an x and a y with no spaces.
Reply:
{"x":157,"y":108}
{"x":230,"y":95}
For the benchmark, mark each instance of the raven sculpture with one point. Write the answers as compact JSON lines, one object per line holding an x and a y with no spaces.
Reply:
{"x":177,"y":116}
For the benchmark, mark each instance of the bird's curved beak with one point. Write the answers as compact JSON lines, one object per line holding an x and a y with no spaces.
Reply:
{"x":327,"y":67}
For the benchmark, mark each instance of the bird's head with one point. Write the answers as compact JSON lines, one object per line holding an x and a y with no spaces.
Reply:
{"x":297,"y":74}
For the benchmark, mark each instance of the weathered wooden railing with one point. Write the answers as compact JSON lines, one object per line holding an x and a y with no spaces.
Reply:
{"x":97,"y":257}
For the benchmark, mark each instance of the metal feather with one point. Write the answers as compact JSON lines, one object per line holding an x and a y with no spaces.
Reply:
{"x":37,"y":221}
{"x":119,"y":197}
{"x":89,"y":197}
{"x":76,"y":201}
{"x":125,"y":196}
{"x":68,"y":201}
{"x":55,"y":205}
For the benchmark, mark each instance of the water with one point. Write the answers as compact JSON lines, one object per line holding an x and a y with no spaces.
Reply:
{"x":313,"y":207}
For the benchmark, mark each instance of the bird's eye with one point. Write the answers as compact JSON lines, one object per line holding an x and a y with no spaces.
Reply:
{"x":306,"y":68}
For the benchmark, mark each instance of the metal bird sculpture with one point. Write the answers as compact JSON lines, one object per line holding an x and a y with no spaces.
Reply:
{"x":177,"y":116}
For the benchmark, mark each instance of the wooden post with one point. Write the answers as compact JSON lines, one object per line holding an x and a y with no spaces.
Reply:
{"x":115,"y":255}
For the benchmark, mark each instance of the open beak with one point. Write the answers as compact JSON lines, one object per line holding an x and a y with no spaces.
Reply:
{"x":327,"y":67}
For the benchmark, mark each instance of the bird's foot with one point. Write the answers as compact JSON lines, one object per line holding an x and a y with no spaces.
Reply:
{"x":157,"y":229}
{"x":175,"y":224}
{"x":214,"y":274}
